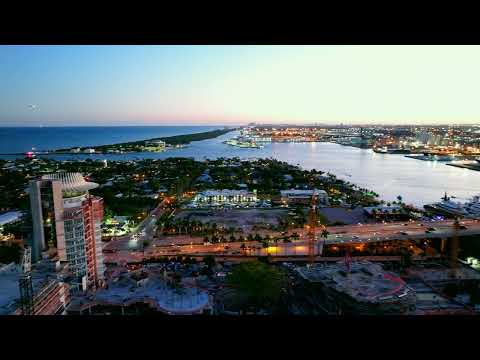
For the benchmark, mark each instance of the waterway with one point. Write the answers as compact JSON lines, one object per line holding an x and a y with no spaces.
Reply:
{"x":390,"y":175}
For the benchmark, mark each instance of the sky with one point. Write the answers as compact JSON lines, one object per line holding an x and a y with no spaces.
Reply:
{"x":236,"y":85}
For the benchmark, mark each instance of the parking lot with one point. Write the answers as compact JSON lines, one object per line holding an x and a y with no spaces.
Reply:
{"x":246,"y":219}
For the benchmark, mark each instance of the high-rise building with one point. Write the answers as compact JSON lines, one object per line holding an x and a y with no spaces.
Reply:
{"x":67,"y":217}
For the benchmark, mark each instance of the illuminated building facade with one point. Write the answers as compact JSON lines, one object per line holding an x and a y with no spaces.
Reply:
{"x":67,"y":217}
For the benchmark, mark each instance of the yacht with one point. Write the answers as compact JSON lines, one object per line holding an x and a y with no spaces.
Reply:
{"x":448,"y":207}
{"x":473,"y":207}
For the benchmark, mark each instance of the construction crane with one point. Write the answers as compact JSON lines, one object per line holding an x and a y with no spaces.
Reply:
{"x":454,"y":242}
{"x":312,"y":227}
{"x":25,"y":283}
{"x":312,"y":224}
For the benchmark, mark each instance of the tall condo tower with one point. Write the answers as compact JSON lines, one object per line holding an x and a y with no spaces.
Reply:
{"x":65,"y":216}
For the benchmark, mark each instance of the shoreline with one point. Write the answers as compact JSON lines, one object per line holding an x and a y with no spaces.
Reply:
{"x":171,"y":142}
{"x":474,"y":167}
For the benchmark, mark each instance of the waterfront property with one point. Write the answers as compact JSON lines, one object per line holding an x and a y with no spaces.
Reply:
{"x":296,"y":196}
{"x":225,"y":197}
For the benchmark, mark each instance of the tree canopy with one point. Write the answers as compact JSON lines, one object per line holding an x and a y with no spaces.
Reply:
{"x":261,"y":283}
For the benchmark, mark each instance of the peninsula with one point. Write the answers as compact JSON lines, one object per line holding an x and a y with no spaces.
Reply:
{"x":149,"y":145}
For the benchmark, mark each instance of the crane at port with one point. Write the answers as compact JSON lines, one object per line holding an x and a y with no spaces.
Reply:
{"x":25,"y":283}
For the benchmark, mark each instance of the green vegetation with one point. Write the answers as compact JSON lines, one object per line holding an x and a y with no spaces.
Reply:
{"x":260,"y":283}
{"x":10,"y":253}
{"x":139,"y":146}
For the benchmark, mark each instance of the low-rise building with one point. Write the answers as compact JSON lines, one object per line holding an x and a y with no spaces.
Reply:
{"x":9,"y":217}
{"x":298,"y":196}
{"x":159,"y":143}
{"x":386,"y":211}
{"x":225,"y":197}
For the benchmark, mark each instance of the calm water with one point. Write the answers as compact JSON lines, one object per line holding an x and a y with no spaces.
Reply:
{"x":418,"y":182}
{"x":14,"y":140}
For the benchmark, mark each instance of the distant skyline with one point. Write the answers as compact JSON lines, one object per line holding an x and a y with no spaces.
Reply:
{"x":237,"y":85}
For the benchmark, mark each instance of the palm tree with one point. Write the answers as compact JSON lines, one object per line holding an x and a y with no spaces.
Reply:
{"x":324,"y":235}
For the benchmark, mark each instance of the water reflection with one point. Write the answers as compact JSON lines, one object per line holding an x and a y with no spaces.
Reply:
{"x":418,"y":182}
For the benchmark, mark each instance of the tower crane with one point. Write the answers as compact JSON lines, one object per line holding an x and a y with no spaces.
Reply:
{"x":25,"y":283}
{"x":312,"y":226}
{"x":312,"y":222}
{"x":454,"y":249}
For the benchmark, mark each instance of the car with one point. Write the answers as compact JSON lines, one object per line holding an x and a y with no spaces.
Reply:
{"x":403,"y":233}
{"x":431,"y":229}
{"x":355,"y":236}
{"x":462,"y":227}
{"x":406,"y":224}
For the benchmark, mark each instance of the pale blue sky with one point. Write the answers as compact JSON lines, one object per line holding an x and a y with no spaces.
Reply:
{"x":170,"y":85}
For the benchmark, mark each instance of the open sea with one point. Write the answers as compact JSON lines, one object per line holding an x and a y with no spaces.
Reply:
{"x":22,"y":139}
{"x":390,"y":175}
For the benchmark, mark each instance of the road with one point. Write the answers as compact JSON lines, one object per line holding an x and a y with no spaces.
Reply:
{"x":147,"y":226}
{"x":338,"y":235}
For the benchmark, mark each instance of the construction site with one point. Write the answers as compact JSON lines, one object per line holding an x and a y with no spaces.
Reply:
{"x":38,"y":292}
{"x":151,"y":286}
{"x":360,"y":288}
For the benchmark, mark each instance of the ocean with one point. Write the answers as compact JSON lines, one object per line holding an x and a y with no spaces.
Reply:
{"x":22,"y":139}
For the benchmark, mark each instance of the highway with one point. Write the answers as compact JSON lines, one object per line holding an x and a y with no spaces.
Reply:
{"x":338,"y":235}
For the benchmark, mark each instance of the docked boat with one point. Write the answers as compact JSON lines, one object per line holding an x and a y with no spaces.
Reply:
{"x":386,"y":150}
{"x":473,"y":207}
{"x":448,"y":207}
{"x":243,"y":144}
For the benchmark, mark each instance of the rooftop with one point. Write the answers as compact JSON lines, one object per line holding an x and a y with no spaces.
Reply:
{"x":10,"y":217}
{"x":225,"y":192}
{"x":366,"y":281}
{"x":297,"y":192}
{"x":153,"y":289}
{"x":71,"y":182}
{"x":42,"y":273}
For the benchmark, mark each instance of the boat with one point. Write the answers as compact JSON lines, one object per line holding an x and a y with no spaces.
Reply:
{"x":243,"y":144}
{"x":386,"y":150}
{"x":473,"y":207}
{"x":448,"y":207}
